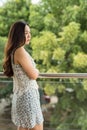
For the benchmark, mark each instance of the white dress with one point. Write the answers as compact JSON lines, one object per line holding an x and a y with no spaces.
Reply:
{"x":26,"y":110}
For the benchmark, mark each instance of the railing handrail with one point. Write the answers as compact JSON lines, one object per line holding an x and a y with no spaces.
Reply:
{"x":56,"y":75}
{"x":63,"y":75}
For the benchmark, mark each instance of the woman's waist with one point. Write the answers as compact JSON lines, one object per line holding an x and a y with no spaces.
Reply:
{"x":22,"y":90}
{"x":21,"y":93}
{"x":23,"y":86}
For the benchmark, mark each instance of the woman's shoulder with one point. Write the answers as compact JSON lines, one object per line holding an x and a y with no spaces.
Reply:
{"x":21,"y":55}
{"x":19,"y":50}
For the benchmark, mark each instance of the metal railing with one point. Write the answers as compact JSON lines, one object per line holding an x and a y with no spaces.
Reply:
{"x":56,"y":75}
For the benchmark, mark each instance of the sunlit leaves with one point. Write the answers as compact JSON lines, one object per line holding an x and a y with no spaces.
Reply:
{"x":49,"y":88}
{"x":61,"y":88}
{"x":36,"y":18}
{"x":69,"y":33}
{"x":85,"y":84}
{"x":43,"y":47}
{"x":58,"y":54}
{"x":80,"y":61}
{"x":84,"y":36}
{"x":51,"y":23}
{"x":54,"y":69}
{"x":70,"y":14}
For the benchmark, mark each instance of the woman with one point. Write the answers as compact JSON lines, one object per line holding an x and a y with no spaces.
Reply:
{"x":26,"y":110}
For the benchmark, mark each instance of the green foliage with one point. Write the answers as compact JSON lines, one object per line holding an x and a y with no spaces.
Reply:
{"x":82,"y":15}
{"x":6,"y":89}
{"x":83,"y":41}
{"x":46,"y":43}
{"x":12,"y":11}
{"x":36,"y":19}
{"x":62,"y":127}
{"x":50,"y":23}
{"x":49,"y":88}
{"x":70,"y":14}
{"x":58,"y":54}
{"x":2,"y":45}
{"x":71,"y":107}
{"x":82,"y":121}
{"x":69,"y":34}
{"x":80,"y":62}
{"x":85,"y":84}
{"x":84,"y":36}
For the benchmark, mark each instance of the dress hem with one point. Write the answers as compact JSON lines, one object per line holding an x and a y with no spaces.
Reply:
{"x":28,"y":126}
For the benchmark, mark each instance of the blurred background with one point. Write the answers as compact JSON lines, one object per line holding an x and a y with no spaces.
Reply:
{"x":58,"y":45}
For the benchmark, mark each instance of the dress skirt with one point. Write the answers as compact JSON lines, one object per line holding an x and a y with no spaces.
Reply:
{"x":26,"y":110}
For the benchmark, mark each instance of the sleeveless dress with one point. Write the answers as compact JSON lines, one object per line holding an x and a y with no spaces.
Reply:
{"x":26,"y":110}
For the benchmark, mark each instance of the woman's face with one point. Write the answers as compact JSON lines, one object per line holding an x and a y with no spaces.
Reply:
{"x":27,"y":34}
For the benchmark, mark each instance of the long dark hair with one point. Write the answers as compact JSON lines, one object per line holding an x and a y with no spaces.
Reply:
{"x":16,"y":38}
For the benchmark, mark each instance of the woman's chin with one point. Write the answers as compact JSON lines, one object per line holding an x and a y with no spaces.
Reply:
{"x":27,"y":43}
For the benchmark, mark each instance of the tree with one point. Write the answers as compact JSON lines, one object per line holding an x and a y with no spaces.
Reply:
{"x":36,"y":20}
{"x":62,"y":48}
{"x":12,"y":11}
{"x":2,"y":45}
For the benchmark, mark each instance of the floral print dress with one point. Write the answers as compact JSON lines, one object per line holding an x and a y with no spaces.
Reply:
{"x":26,"y":110}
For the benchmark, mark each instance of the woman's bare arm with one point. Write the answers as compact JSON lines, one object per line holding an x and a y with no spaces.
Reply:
{"x":21,"y":57}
